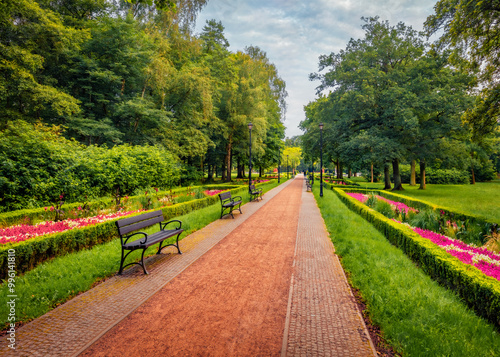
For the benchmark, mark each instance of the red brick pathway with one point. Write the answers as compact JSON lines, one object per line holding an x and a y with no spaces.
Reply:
{"x":323,"y":319}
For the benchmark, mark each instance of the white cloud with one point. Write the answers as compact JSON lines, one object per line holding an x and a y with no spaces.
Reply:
{"x":295,"y":33}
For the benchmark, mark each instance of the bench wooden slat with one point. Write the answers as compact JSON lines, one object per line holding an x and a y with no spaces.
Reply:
{"x":140,"y":225}
{"x":153,"y":238}
{"x":142,"y":217}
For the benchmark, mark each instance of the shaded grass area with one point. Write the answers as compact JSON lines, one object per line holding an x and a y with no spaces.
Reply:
{"x":417,"y":316}
{"x":483,"y":198}
{"x":57,"y":281}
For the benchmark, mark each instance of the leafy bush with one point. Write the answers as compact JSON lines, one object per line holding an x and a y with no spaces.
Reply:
{"x":426,"y":219}
{"x":38,"y":165}
{"x":483,"y":171}
{"x":384,"y":208}
{"x":436,"y":176}
{"x":372,"y":200}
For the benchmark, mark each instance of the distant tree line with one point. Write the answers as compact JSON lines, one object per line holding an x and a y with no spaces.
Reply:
{"x":393,"y":98}
{"x":113,"y":72}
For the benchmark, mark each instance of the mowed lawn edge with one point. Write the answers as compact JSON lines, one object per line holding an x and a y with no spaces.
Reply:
{"x":416,"y":315}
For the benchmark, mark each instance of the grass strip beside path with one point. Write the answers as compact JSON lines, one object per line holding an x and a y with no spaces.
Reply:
{"x":416,"y":315}
{"x":58,"y":280}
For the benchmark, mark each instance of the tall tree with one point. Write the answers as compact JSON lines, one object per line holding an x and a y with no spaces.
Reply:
{"x":471,"y":29}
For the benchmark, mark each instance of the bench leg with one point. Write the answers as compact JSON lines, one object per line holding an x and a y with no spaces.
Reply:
{"x":133,"y":263}
{"x":142,"y":262}
{"x":175,"y":245}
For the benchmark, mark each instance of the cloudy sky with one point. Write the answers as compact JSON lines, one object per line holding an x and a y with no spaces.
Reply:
{"x":295,"y":33}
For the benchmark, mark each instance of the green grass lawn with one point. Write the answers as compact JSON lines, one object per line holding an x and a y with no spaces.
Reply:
{"x":483,"y":198}
{"x":417,"y":316}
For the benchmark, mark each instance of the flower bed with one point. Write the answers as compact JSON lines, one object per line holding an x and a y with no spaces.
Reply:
{"x":24,"y":232}
{"x":213,"y":192}
{"x":478,"y":290}
{"x":481,"y":258}
{"x":401,"y":207}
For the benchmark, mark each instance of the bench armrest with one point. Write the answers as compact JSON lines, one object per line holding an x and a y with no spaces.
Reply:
{"x":136,"y":233}
{"x":235,"y":198}
{"x":163,"y":225}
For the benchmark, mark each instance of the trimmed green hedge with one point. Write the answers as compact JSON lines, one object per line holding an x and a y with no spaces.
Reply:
{"x":480,"y":292}
{"x":32,"y":252}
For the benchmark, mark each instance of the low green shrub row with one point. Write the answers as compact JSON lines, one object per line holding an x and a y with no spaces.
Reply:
{"x":480,"y":292}
{"x":487,"y":225}
{"x":32,"y":252}
{"x":436,"y":176}
{"x":345,"y":181}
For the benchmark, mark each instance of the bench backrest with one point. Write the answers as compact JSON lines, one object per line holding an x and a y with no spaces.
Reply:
{"x":224,"y":195}
{"x":251,"y":187}
{"x":135,"y":223}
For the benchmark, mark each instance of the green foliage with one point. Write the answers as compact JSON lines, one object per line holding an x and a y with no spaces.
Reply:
{"x":426,"y":219}
{"x":470,"y":29}
{"x":38,"y":165}
{"x":479,"y":292}
{"x":384,"y":208}
{"x":437,"y":176}
{"x":372,"y":200}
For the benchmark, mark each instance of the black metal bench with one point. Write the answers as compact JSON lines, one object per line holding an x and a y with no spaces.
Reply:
{"x":255,"y":193}
{"x":229,"y":203}
{"x":133,"y":224}
{"x":308,"y":185}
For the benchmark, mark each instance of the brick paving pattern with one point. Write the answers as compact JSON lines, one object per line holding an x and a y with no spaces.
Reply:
{"x":72,"y":327}
{"x":323,"y":319}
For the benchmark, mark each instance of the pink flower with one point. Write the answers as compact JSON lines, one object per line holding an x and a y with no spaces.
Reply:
{"x":156,"y":189}
{"x":51,"y":208}
{"x":79,"y":208}
{"x":359,"y":196}
{"x":24,"y":232}
{"x":45,"y":208}
{"x":61,"y":197}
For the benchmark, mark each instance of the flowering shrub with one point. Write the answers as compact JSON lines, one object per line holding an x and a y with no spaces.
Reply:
{"x":481,"y":258}
{"x":213,"y":192}
{"x":260,"y":181}
{"x":338,"y":182}
{"x":24,"y":232}
{"x":359,"y":196}
{"x":401,"y":207}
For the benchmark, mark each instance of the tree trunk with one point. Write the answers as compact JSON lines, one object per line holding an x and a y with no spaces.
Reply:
{"x":260,"y":171}
{"x":349,"y":173}
{"x":472,"y":169}
{"x":228,"y":161}
{"x":241,"y":169}
{"x":413,"y":181}
{"x":341,"y":171}
{"x":223,"y":170}
{"x":398,"y":186}
{"x":422,"y":175}
{"x":371,"y":169}
{"x":210,"y":172}
{"x":387,"y":177}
